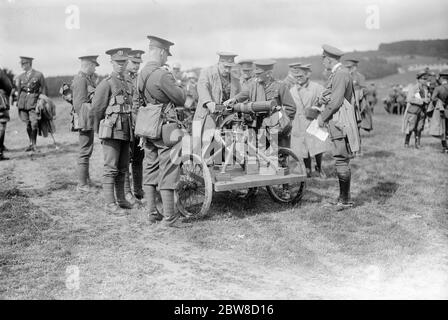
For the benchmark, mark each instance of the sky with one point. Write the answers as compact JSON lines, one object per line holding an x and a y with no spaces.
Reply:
{"x":48,"y":30}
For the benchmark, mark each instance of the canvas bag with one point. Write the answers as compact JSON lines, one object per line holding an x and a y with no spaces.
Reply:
{"x":149,"y":118}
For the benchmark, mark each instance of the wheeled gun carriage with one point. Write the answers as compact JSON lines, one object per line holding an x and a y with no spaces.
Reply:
{"x":240,"y":154}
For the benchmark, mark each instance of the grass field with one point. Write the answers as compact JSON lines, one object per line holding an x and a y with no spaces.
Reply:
{"x":58,"y":244}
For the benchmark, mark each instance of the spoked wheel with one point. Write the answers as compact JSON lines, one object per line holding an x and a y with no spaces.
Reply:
{"x":195,"y":188}
{"x":289,"y":192}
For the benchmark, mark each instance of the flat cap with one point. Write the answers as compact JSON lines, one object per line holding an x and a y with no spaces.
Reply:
{"x":444,"y":72}
{"x":136,"y":55}
{"x":332,"y":51}
{"x":192,"y":75}
{"x":90,"y":58}
{"x":246,"y":64}
{"x":421,"y":74}
{"x":227,"y":58}
{"x":264,"y":65}
{"x":160,"y":43}
{"x":26,"y":58}
{"x":118,"y":54}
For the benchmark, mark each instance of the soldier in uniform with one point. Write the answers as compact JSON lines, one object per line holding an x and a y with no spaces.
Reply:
{"x":137,"y":153}
{"x":440,"y":95}
{"x":30,"y":85}
{"x":247,"y":71}
{"x":291,"y":79}
{"x":305,"y":94}
{"x":339,"y":116}
{"x":111,"y":107}
{"x":417,"y":102}
{"x":5,"y":91}
{"x":266,"y":88}
{"x":158,"y":86}
{"x":371,"y":96}
{"x":83,"y":88}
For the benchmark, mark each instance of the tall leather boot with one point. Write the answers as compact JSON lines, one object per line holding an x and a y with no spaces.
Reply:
{"x":109,"y":199}
{"x":119,"y":190}
{"x":34,"y":139}
{"x":150,"y":194}
{"x":83,"y":174}
{"x":417,"y":140}
{"x":170,"y":215}
{"x":137,"y":179}
{"x":344,"y":200}
{"x":406,"y":140}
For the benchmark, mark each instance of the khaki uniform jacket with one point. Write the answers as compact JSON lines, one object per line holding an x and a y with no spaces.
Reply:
{"x":29,"y":88}
{"x":339,"y":113}
{"x":83,"y":88}
{"x":113,"y":91}
{"x":5,"y":91}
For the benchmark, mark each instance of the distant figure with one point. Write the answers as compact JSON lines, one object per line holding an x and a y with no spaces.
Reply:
{"x":417,"y":101}
{"x":177,"y":73}
{"x":371,"y":96}
{"x":30,"y":85}
{"x":440,"y":100}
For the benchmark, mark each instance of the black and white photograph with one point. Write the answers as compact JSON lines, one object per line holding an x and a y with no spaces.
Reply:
{"x":209,"y":150}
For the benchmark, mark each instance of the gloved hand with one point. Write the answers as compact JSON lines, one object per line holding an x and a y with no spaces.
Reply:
{"x":311,"y":113}
{"x":229,"y":102}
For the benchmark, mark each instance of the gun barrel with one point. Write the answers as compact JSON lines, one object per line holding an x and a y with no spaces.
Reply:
{"x":255,"y":107}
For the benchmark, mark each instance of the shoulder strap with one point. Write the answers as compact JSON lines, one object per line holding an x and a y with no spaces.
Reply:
{"x":142,"y":92}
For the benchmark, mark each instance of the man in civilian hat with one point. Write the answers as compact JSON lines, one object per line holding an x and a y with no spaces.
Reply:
{"x":247,"y":71}
{"x":112,"y":108}
{"x":338,"y":116}
{"x":266,"y":88}
{"x":291,"y":78}
{"x":83,"y":88}
{"x":30,"y":85}
{"x":306,"y":94}
{"x":417,"y":99}
{"x":364,"y":114}
{"x":177,"y":73}
{"x":440,"y":100}
{"x":216,"y":84}
{"x":158,"y":86}
{"x":5,"y":91}
{"x":137,"y":153}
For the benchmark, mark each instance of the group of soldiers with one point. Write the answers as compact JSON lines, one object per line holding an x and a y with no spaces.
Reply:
{"x":427,"y":99}
{"x":343,"y":107}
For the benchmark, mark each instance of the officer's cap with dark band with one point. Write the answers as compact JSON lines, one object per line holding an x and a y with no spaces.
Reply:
{"x":444,"y":72}
{"x":90,"y":58}
{"x":136,"y":55}
{"x":421,"y":74}
{"x":25,"y":59}
{"x":306,"y":67}
{"x":332,"y":52}
{"x":264,"y":65}
{"x":118,"y":54}
{"x":160,"y":43}
{"x":227,"y":58}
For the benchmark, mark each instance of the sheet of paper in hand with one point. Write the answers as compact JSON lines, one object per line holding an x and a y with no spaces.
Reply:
{"x":316,"y":131}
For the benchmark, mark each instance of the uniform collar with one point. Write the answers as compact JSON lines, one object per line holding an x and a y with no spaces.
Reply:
{"x":336,"y":67}
{"x":117,"y":75}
